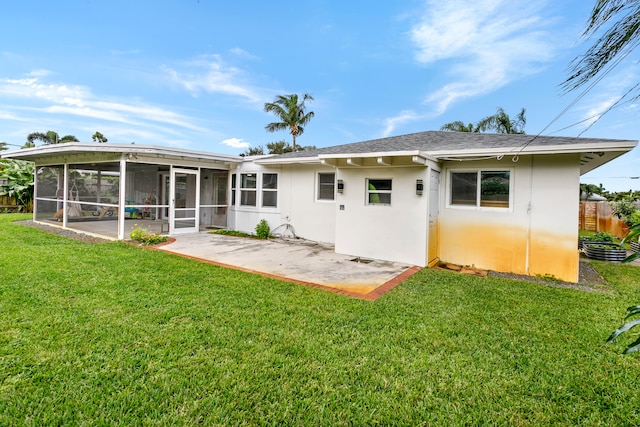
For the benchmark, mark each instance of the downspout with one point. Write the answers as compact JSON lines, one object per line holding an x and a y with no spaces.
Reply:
{"x":529,"y":214}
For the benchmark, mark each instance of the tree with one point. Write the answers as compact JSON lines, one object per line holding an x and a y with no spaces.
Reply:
{"x":50,"y":137}
{"x":18,"y":178}
{"x":254,"y":151}
{"x":3,"y":146}
{"x":502,"y":123}
{"x":98,"y":137}
{"x":458,"y":126}
{"x":278,"y":147}
{"x":499,"y":123}
{"x":292,"y":114}
{"x":617,"y":42}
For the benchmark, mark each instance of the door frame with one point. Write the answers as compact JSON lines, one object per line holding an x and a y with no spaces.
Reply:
{"x":172,"y":202}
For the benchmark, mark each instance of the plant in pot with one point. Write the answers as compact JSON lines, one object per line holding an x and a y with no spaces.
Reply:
{"x":602,"y":246}
{"x":599,"y":237}
{"x":605,"y":251}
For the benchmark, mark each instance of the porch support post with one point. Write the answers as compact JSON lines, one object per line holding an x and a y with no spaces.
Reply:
{"x":121,"y":198}
{"x":65,"y":195}
{"x":35,"y":194}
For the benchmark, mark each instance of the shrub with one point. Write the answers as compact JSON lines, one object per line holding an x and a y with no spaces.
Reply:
{"x":624,"y":209}
{"x":146,"y":238}
{"x":634,"y":218}
{"x":263,"y":231}
{"x":602,"y":236}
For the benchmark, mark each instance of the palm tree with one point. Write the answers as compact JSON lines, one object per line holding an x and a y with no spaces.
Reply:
{"x":502,"y":123}
{"x":50,"y":137}
{"x":458,"y":126}
{"x":98,"y":137}
{"x":3,"y":146}
{"x":291,"y":113}
{"x":616,"y":42}
{"x":499,"y":123}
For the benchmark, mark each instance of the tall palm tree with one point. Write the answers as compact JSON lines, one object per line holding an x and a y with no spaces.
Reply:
{"x":292,"y":114}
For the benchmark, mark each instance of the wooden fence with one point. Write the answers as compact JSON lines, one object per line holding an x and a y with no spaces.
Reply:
{"x":8,"y":204}
{"x":598,"y":216}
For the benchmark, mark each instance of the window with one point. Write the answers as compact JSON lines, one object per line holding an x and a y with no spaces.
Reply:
{"x":493,"y":192}
{"x":326,"y":186}
{"x":269,"y":190}
{"x":248,"y":186}
{"x":233,"y":189}
{"x":378,"y":191}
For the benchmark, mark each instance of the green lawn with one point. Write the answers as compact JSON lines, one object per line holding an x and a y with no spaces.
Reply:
{"x":114,"y":334}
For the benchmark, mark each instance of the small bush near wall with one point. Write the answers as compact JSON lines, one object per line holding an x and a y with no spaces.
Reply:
{"x":263,"y":231}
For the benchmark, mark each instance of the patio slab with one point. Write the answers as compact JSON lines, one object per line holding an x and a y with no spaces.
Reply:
{"x":296,"y":260}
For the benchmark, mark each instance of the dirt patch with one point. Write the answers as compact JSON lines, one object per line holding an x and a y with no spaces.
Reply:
{"x":64,"y":232}
{"x":589,"y":278}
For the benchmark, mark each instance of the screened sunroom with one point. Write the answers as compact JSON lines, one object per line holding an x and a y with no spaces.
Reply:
{"x":108,"y":189}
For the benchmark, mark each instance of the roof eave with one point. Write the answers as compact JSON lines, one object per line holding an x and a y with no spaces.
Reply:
{"x":32,"y":154}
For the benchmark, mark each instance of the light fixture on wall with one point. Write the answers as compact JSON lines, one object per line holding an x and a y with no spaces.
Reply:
{"x":340,"y":186}
{"x":419,"y":187}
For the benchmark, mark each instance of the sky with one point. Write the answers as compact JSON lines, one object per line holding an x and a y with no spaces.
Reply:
{"x":196,"y":74}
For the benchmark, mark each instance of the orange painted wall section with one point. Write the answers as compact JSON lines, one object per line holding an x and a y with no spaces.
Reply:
{"x":502,"y":247}
{"x":555,"y":255}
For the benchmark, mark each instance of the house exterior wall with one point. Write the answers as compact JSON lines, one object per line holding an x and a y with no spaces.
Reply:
{"x":245,"y":218}
{"x":297,"y":203}
{"x":536,"y":235}
{"x":395,"y":232}
{"x":310,"y":218}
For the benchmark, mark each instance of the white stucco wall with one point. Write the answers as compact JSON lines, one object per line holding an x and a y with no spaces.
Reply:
{"x":297,"y":203}
{"x":310,"y":218}
{"x":245,"y":218}
{"x":396,"y":232}
{"x":536,"y":235}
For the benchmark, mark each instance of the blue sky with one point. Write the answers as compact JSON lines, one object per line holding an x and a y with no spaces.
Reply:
{"x":196,"y":73}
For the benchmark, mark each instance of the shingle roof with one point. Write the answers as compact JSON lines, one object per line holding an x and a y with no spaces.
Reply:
{"x":439,"y":141}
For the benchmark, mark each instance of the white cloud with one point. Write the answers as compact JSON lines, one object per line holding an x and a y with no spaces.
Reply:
{"x":236,"y":143}
{"x":80,"y":101}
{"x":33,"y":88}
{"x":241,"y":53}
{"x":392,"y":122}
{"x":210,"y":74}
{"x":487,"y":43}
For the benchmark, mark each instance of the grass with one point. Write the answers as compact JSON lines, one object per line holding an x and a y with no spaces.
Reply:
{"x":113,"y":334}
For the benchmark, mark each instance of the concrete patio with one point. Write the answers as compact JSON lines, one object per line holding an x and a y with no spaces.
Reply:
{"x":300,"y":261}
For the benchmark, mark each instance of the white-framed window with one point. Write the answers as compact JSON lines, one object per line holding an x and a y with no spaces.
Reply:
{"x":248,"y":189}
{"x":378,"y":191}
{"x":269,"y":190}
{"x":480,"y":188}
{"x":326,"y":186}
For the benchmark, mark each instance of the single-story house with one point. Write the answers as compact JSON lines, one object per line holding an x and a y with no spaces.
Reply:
{"x":494,"y":201}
